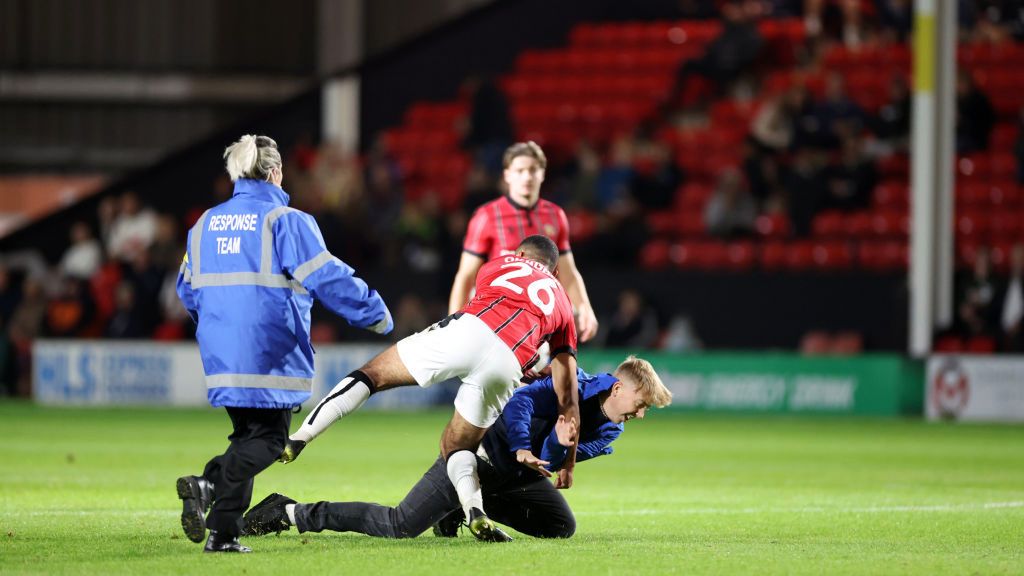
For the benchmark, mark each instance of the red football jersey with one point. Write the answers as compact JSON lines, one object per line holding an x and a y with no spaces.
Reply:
{"x":525,"y":305}
{"x":497,"y":228}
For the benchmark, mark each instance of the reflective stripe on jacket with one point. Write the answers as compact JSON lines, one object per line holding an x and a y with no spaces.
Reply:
{"x":252,"y":268}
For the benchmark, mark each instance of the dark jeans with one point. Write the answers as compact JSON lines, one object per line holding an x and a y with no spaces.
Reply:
{"x":532,"y":507}
{"x":257,"y":440}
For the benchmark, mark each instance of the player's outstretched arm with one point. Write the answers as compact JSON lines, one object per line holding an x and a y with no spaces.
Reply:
{"x":576,"y":290}
{"x":469,"y":265}
{"x":563,"y":374}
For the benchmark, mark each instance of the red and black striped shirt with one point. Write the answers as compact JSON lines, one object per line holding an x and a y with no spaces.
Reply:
{"x":497,"y":227}
{"x":525,"y":305}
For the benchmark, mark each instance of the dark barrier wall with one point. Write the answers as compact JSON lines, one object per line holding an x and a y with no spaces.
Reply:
{"x":750,"y":311}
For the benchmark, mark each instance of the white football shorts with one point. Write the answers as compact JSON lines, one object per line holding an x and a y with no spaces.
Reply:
{"x":467,"y":349}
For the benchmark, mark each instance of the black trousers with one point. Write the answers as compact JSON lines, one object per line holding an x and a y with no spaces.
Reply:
{"x":256,"y":441}
{"x":533,"y":507}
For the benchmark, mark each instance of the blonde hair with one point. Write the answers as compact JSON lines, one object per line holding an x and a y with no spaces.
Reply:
{"x":530,"y":149}
{"x":642,"y":375}
{"x":252,"y":157}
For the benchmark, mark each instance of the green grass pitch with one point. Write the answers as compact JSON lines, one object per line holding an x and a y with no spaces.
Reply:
{"x":92,"y":492}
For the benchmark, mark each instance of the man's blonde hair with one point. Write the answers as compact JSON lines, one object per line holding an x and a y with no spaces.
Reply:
{"x":648,"y":383}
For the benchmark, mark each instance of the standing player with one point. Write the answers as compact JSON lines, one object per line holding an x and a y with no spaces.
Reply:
{"x":519,"y":304}
{"x":251,"y":270}
{"x":516,"y":495}
{"x":497,"y":227}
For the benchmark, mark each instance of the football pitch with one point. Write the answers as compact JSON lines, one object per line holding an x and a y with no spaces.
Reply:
{"x":90,"y":491}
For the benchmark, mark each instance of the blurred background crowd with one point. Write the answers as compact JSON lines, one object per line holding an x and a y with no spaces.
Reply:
{"x":732,"y":138}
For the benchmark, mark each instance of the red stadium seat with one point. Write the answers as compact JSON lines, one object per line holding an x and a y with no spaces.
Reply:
{"x":662,"y":223}
{"x":801,"y":255}
{"x":740,"y":255}
{"x":883,"y":256}
{"x":582,"y":225}
{"x":971,"y":224}
{"x":948,"y":344}
{"x":772,"y":225}
{"x":655,"y":255}
{"x":830,"y":223}
{"x":832,"y":255}
{"x":773,"y":255}
{"x":981,"y":345}
{"x":891,"y":194}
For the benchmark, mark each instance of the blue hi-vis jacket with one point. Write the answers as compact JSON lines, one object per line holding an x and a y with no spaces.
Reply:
{"x":528,"y":422}
{"x":251,"y":270}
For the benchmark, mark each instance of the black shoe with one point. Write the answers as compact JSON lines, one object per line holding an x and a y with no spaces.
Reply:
{"x":448,"y":527}
{"x":217,"y":544}
{"x":484,"y":528}
{"x":268,"y":516}
{"x":196,"y":494}
{"x":291,"y":451}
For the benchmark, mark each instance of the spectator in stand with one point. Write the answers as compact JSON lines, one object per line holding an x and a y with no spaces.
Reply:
{"x":892,"y":123}
{"x":337,"y":180}
{"x":1018,"y":146}
{"x":839,"y":116}
{"x":974,"y":115}
{"x":729,"y":56}
{"x":8,"y":303}
{"x":731,"y":210}
{"x":488,"y":130}
{"x":384,"y":196}
{"x":842,"y":20}
{"x":634,"y":324}
{"x":1012,"y":320}
{"x":70,"y":312}
{"x":976,"y":309}
{"x":762,"y":173}
{"x":167,"y":248}
{"x":807,"y":129}
{"x":420,"y":230}
{"x":146,"y":279}
{"x":613,"y":186}
{"x":896,"y":18}
{"x":126,"y":321}
{"x":9,"y":297}
{"x":992,"y":21}
{"x":83,"y":258}
{"x":132,"y":229}
{"x":805,"y":186}
{"x":655,"y":176}
{"x":775,"y":125}
{"x":25,"y":326}
{"x":851,"y":181}
{"x":411,"y":316}
{"x":582,"y":174}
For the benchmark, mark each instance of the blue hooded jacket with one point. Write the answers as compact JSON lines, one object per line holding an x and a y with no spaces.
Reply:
{"x":252,"y":268}
{"x":528,"y":422}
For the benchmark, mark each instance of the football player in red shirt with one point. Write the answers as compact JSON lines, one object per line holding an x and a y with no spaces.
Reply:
{"x":488,"y":345}
{"x":497,"y":227}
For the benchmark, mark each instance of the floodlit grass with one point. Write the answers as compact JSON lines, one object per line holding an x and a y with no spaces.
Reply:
{"x":92,"y":492}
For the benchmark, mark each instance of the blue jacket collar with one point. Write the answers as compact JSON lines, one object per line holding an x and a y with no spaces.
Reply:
{"x":594,"y":385}
{"x":260,"y":190}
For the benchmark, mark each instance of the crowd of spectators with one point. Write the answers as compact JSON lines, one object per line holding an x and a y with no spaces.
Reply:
{"x":802,"y":154}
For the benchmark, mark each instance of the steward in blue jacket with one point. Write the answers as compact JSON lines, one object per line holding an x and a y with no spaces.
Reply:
{"x":514,"y":480}
{"x":252,"y":268}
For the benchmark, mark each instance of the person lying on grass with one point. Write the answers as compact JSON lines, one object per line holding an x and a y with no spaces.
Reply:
{"x":514,"y":479}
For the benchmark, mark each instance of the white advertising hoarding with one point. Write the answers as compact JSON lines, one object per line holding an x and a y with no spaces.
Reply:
{"x":113,"y":373}
{"x":975,"y":388}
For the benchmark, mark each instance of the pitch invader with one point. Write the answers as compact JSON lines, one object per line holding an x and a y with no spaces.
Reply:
{"x":488,"y":344}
